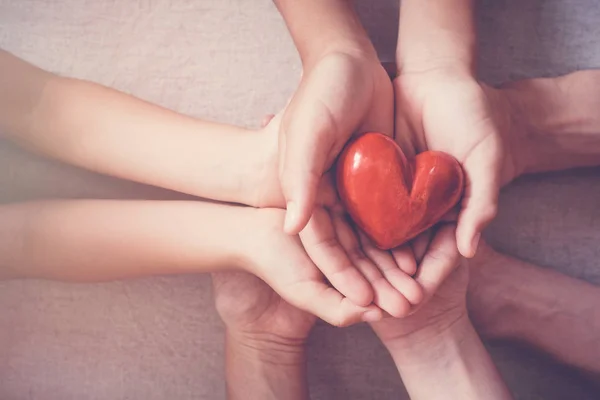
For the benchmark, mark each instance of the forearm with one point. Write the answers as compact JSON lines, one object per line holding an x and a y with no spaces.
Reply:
{"x":107,"y":240}
{"x":562,"y":120}
{"x":319,"y":27}
{"x":436,"y":34}
{"x":109,"y":132}
{"x":551,"y":311}
{"x":265,"y":371}
{"x":452,"y":364}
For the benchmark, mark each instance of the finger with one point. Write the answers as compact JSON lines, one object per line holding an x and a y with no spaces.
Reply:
{"x":321,"y":244}
{"x":307,"y":137}
{"x":327,"y":194}
{"x":328,"y":304}
{"x":480,"y":202}
{"x":266,"y":119}
{"x":392,"y":273}
{"x":386,"y":296}
{"x":420,"y":244}
{"x":405,"y":259}
{"x":441,"y":258}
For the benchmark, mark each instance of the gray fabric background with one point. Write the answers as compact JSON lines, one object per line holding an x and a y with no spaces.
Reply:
{"x":233,"y":61}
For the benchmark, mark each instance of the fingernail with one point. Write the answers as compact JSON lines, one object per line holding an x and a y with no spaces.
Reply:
{"x":475,"y":243}
{"x":290,"y":216}
{"x":371,"y":316}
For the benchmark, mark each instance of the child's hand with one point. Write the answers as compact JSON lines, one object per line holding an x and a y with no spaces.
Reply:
{"x":281,"y":261}
{"x":355,"y":267}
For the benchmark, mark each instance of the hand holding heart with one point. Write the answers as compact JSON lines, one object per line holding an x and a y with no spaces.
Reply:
{"x":418,"y":129}
{"x":351,"y":263}
{"x":453,"y":113}
{"x":391,"y":199}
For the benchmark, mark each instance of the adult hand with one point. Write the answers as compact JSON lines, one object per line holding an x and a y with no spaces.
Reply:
{"x":439,"y":268}
{"x":340,"y":95}
{"x":453,"y":113}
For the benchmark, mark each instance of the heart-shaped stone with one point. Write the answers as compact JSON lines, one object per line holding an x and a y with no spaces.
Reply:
{"x":390,"y":198}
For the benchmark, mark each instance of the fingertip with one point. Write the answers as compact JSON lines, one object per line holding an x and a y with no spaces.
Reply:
{"x":471,"y":222}
{"x":362,"y":294}
{"x":405,"y":259}
{"x":296,"y":217}
{"x":266,"y":119}
{"x":400,"y":309}
{"x":372,"y":315}
{"x":406,"y":286}
{"x":300,"y":193}
{"x":464,"y":238}
{"x":291,"y":224}
{"x":417,"y":295}
{"x":467,"y":244}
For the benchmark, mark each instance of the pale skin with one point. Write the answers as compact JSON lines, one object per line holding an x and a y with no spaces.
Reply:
{"x":344,"y":91}
{"x":346,"y":58}
{"x":436,"y":350}
{"x":440,"y":105}
{"x":553,"y":312}
{"x":106,"y":131}
{"x":100,"y":129}
{"x":549,"y":124}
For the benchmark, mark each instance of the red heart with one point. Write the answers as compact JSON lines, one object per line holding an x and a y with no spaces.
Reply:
{"x":391,"y":199}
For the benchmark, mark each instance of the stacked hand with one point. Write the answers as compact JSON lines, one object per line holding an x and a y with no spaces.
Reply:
{"x":331,"y":247}
{"x":313,"y":130}
{"x":436,"y":251}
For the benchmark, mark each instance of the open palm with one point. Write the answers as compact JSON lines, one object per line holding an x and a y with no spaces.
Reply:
{"x":454,"y":114}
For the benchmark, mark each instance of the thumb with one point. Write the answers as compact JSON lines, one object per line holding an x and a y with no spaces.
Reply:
{"x":306,"y":142}
{"x":480,"y":203}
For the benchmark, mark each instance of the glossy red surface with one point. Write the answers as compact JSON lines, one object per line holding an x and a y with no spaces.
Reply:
{"x":391,"y":198}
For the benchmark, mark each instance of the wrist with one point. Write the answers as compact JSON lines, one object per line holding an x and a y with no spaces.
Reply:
{"x":433,"y":342}
{"x":436,"y":35}
{"x":559,"y":120}
{"x":267,"y":350}
{"x":253,"y":170}
{"x":453,"y":363}
{"x":264,"y":370}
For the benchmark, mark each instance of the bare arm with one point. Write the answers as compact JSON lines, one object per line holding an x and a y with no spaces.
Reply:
{"x":451,"y":363}
{"x":436,"y":34}
{"x":560,"y":116}
{"x":513,"y":299}
{"x":110,"y":132}
{"x":100,"y":240}
{"x":265,"y":369}
{"x":319,"y":27}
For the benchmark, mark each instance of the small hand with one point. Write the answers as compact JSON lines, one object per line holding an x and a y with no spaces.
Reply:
{"x":282,"y":263}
